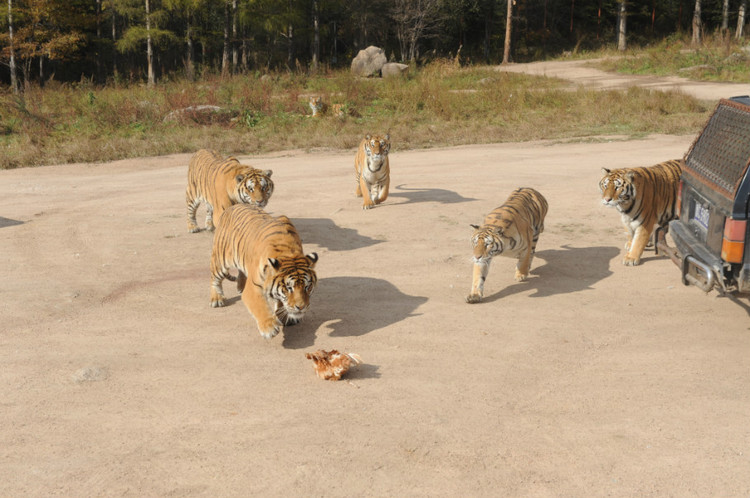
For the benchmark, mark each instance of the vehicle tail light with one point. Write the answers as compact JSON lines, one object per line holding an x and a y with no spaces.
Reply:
{"x":679,"y":200}
{"x":733,"y":245}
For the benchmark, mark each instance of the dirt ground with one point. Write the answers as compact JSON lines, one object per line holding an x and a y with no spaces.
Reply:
{"x":589,"y":379}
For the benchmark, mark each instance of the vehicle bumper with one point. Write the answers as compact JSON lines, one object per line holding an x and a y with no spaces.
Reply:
{"x":699,"y":267}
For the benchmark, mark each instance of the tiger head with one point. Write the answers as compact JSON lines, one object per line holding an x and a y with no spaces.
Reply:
{"x":489,"y":241}
{"x":290,"y":282}
{"x":377,"y":148}
{"x":255,"y":187}
{"x":618,"y":188}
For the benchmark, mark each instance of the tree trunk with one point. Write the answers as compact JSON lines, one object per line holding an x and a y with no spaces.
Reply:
{"x":725,"y":17}
{"x":225,"y":52}
{"x":149,"y":47}
{"x":235,"y":54}
{"x":13,"y":75}
{"x":114,"y":41}
{"x":290,"y":40}
{"x":697,"y":23}
{"x":508,"y":26}
{"x":572,"y":9}
{"x":99,"y":71}
{"x":741,"y":20}
{"x":622,"y":27}
{"x":316,"y":36}
{"x":190,"y":56}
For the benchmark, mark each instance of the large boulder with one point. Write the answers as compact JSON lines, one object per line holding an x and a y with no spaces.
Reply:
{"x":393,"y":69}
{"x":369,"y":61}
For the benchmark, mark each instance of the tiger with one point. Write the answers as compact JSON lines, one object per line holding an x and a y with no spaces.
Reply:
{"x":510,"y":230}
{"x":317,"y":106}
{"x":645,"y":197}
{"x":222,"y":182}
{"x":268,"y":252}
{"x":373,"y":170}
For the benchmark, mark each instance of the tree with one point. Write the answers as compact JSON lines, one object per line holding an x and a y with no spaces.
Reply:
{"x":725,"y":17}
{"x":697,"y":23}
{"x":741,"y":20}
{"x":508,"y":25}
{"x":622,"y":17}
{"x":13,"y":76}
{"x":415,"y":20}
{"x":150,"y":34}
{"x":316,"y":36}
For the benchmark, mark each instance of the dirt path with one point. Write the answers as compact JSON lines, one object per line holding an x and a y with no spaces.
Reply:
{"x":580,"y":72}
{"x":590,"y":379}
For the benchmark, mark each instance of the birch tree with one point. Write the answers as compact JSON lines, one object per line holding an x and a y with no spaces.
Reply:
{"x":13,"y":75}
{"x":622,"y":17}
{"x":508,"y":26}
{"x":697,"y":23}
{"x":741,"y":20}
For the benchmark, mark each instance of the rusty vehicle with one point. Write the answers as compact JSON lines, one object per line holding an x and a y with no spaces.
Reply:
{"x":712,"y":235}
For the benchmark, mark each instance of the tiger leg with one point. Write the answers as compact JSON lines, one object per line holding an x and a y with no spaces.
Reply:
{"x":368,"y":199}
{"x":210,"y":217}
{"x":192,"y":206}
{"x":382,"y":192}
{"x":477,"y":281}
{"x":268,"y":324}
{"x":523,"y":265}
{"x":358,"y":192}
{"x":217,"y":293}
{"x":640,"y":239}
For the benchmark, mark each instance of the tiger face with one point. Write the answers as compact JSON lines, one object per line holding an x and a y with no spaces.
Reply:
{"x":489,"y":242}
{"x":290,"y":286}
{"x":317,"y":106}
{"x":618,"y":189}
{"x":255,"y":188}
{"x":376,"y":149}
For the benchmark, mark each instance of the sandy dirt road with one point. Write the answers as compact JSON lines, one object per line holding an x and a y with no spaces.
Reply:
{"x":590,"y":379}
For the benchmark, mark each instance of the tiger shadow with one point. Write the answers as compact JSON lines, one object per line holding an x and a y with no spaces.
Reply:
{"x":568,"y":269}
{"x":377,"y":304}
{"x":324,"y":232}
{"x":443,"y":196}
{"x":7,"y":222}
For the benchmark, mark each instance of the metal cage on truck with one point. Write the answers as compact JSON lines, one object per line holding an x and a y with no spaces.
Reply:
{"x":711,"y":236}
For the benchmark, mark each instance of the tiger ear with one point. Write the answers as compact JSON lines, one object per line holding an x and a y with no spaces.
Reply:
{"x":368,"y":137}
{"x":630,"y":175}
{"x":475,"y":227}
{"x":606,"y":171}
{"x":387,"y":136}
{"x":268,"y":172}
{"x":239,"y":179}
{"x":313,"y":258}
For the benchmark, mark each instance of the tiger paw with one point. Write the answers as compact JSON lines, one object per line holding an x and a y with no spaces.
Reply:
{"x":368,"y":206}
{"x":193,"y":228}
{"x":628,"y":261}
{"x":473,"y":298}
{"x":217,"y":302}
{"x":271,"y":328}
{"x":520,"y":277}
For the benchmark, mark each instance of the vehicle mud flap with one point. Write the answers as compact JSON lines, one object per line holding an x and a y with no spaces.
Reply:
{"x":689,"y":278}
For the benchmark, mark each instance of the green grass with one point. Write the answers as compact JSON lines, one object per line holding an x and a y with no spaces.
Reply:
{"x":719,"y":58}
{"x":437,"y":105}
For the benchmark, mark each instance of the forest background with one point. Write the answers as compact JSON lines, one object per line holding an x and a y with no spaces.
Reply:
{"x":106,"y":40}
{"x":100,"y":80}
